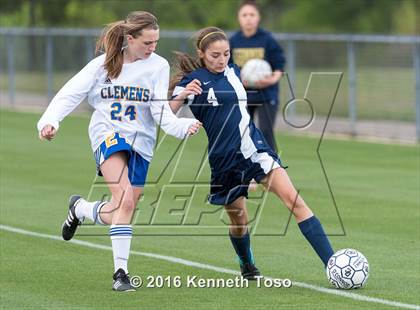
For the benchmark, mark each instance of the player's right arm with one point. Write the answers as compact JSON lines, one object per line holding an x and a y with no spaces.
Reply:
{"x":163,"y":114}
{"x":67,"y":99}
{"x":47,"y":133}
{"x":181,"y":94}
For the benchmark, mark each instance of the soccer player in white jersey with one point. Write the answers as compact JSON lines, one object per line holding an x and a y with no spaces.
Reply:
{"x":238,"y":151}
{"x":127,"y":86}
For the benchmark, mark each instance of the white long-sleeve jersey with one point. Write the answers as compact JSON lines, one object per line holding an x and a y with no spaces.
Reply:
{"x":130,"y":104}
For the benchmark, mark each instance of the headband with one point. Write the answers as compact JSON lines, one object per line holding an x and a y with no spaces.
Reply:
{"x":207,"y":35}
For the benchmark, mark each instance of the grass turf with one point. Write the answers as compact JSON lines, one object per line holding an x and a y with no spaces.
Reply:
{"x":376,"y":188}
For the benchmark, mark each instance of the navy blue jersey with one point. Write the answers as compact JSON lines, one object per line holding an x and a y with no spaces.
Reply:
{"x":261,"y":45}
{"x":221,"y":107}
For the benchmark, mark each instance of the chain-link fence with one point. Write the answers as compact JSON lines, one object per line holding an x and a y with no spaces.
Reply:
{"x":380,"y":81}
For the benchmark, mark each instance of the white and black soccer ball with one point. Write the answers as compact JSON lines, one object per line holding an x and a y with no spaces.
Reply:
{"x":254,"y":70}
{"x":348,"y":269}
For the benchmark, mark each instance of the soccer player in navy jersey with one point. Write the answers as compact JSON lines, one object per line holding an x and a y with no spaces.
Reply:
{"x":237,"y":150}
{"x":254,"y":42}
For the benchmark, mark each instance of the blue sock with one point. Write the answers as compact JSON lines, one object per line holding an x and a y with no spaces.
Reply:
{"x":312,"y":229}
{"x":242,"y":246}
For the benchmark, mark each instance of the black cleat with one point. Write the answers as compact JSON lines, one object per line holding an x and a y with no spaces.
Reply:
{"x":70,"y":224}
{"x":249,"y":271}
{"x":122,"y":282}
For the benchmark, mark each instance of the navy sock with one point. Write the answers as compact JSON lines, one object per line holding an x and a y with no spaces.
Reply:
{"x":312,"y":229}
{"x":242,"y":246}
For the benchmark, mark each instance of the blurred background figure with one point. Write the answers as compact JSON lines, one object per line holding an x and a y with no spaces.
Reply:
{"x":253,"y":42}
{"x":378,"y":97}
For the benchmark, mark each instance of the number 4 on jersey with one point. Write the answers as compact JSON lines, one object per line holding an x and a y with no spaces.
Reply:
{"x":211,"y":97}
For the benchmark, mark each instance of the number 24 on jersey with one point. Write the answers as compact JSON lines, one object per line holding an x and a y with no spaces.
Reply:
{"x":117,"y":112}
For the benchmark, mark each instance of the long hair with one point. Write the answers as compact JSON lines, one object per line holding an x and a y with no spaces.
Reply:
{"x":185,"y":63}
{"x":252,"y":3}
{"x":112,"y":38}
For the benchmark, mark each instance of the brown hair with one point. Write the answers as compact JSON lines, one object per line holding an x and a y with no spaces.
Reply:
{"x":252,"y":3}
{"x":185,"y":63}
{"x":112,"y":38}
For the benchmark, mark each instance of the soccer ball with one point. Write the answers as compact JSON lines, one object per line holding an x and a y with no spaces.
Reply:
{"x":348,"y":269}
{"x":254,"y":70}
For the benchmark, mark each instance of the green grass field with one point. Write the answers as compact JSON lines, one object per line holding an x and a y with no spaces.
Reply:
{"x":376,"y":188}
{"x":382,"y":93}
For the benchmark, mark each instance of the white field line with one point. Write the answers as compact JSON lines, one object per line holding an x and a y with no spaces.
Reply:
{"x":189,"y":263}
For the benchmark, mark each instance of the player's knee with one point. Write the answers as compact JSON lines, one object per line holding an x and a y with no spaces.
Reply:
{"x":238,"y":216}
{"x":127,"y":202}
{"x":127,"y":205}
{"x":291,"y":200}
{"x":238,"y":230}
{"x":298,"y":208}
{"x":239,"y":226}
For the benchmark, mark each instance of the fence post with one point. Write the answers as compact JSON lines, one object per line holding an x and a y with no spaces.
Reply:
{"x":291,"y":72}
{"x":90,"y":52}
{"x":351,"y":62}
{"x":49,"y":65}
{"x":11,"y":68}
{"x":416,"y":55}
{"x":184,"y":45}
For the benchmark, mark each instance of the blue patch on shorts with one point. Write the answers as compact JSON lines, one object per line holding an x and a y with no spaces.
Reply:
{"x":137,"y":165}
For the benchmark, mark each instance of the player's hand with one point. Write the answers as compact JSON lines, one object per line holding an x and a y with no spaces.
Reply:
{"x":194,"y":128}
{"x":47,"y":133}
{"x":269,"y":80}
{"x":193,"y":88}
{"x":266,"y":82}
{"x":246,"y":84}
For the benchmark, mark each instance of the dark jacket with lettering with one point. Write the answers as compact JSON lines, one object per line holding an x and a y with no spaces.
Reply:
{"x":261,"y":45}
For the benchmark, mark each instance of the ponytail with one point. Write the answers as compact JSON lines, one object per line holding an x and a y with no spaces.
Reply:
{"x":111,"y":42}
{"x":184,"y":64}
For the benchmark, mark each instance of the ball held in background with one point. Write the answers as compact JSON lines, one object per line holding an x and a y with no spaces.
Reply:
{"x":255,"y":70}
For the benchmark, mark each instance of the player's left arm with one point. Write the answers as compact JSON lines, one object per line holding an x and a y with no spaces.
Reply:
{"x":162,"y":113}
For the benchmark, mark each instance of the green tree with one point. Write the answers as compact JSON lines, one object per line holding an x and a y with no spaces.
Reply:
{"x":332,"y":16}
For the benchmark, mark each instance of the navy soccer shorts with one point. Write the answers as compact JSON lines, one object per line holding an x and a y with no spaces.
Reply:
{"x":228,"y":186}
